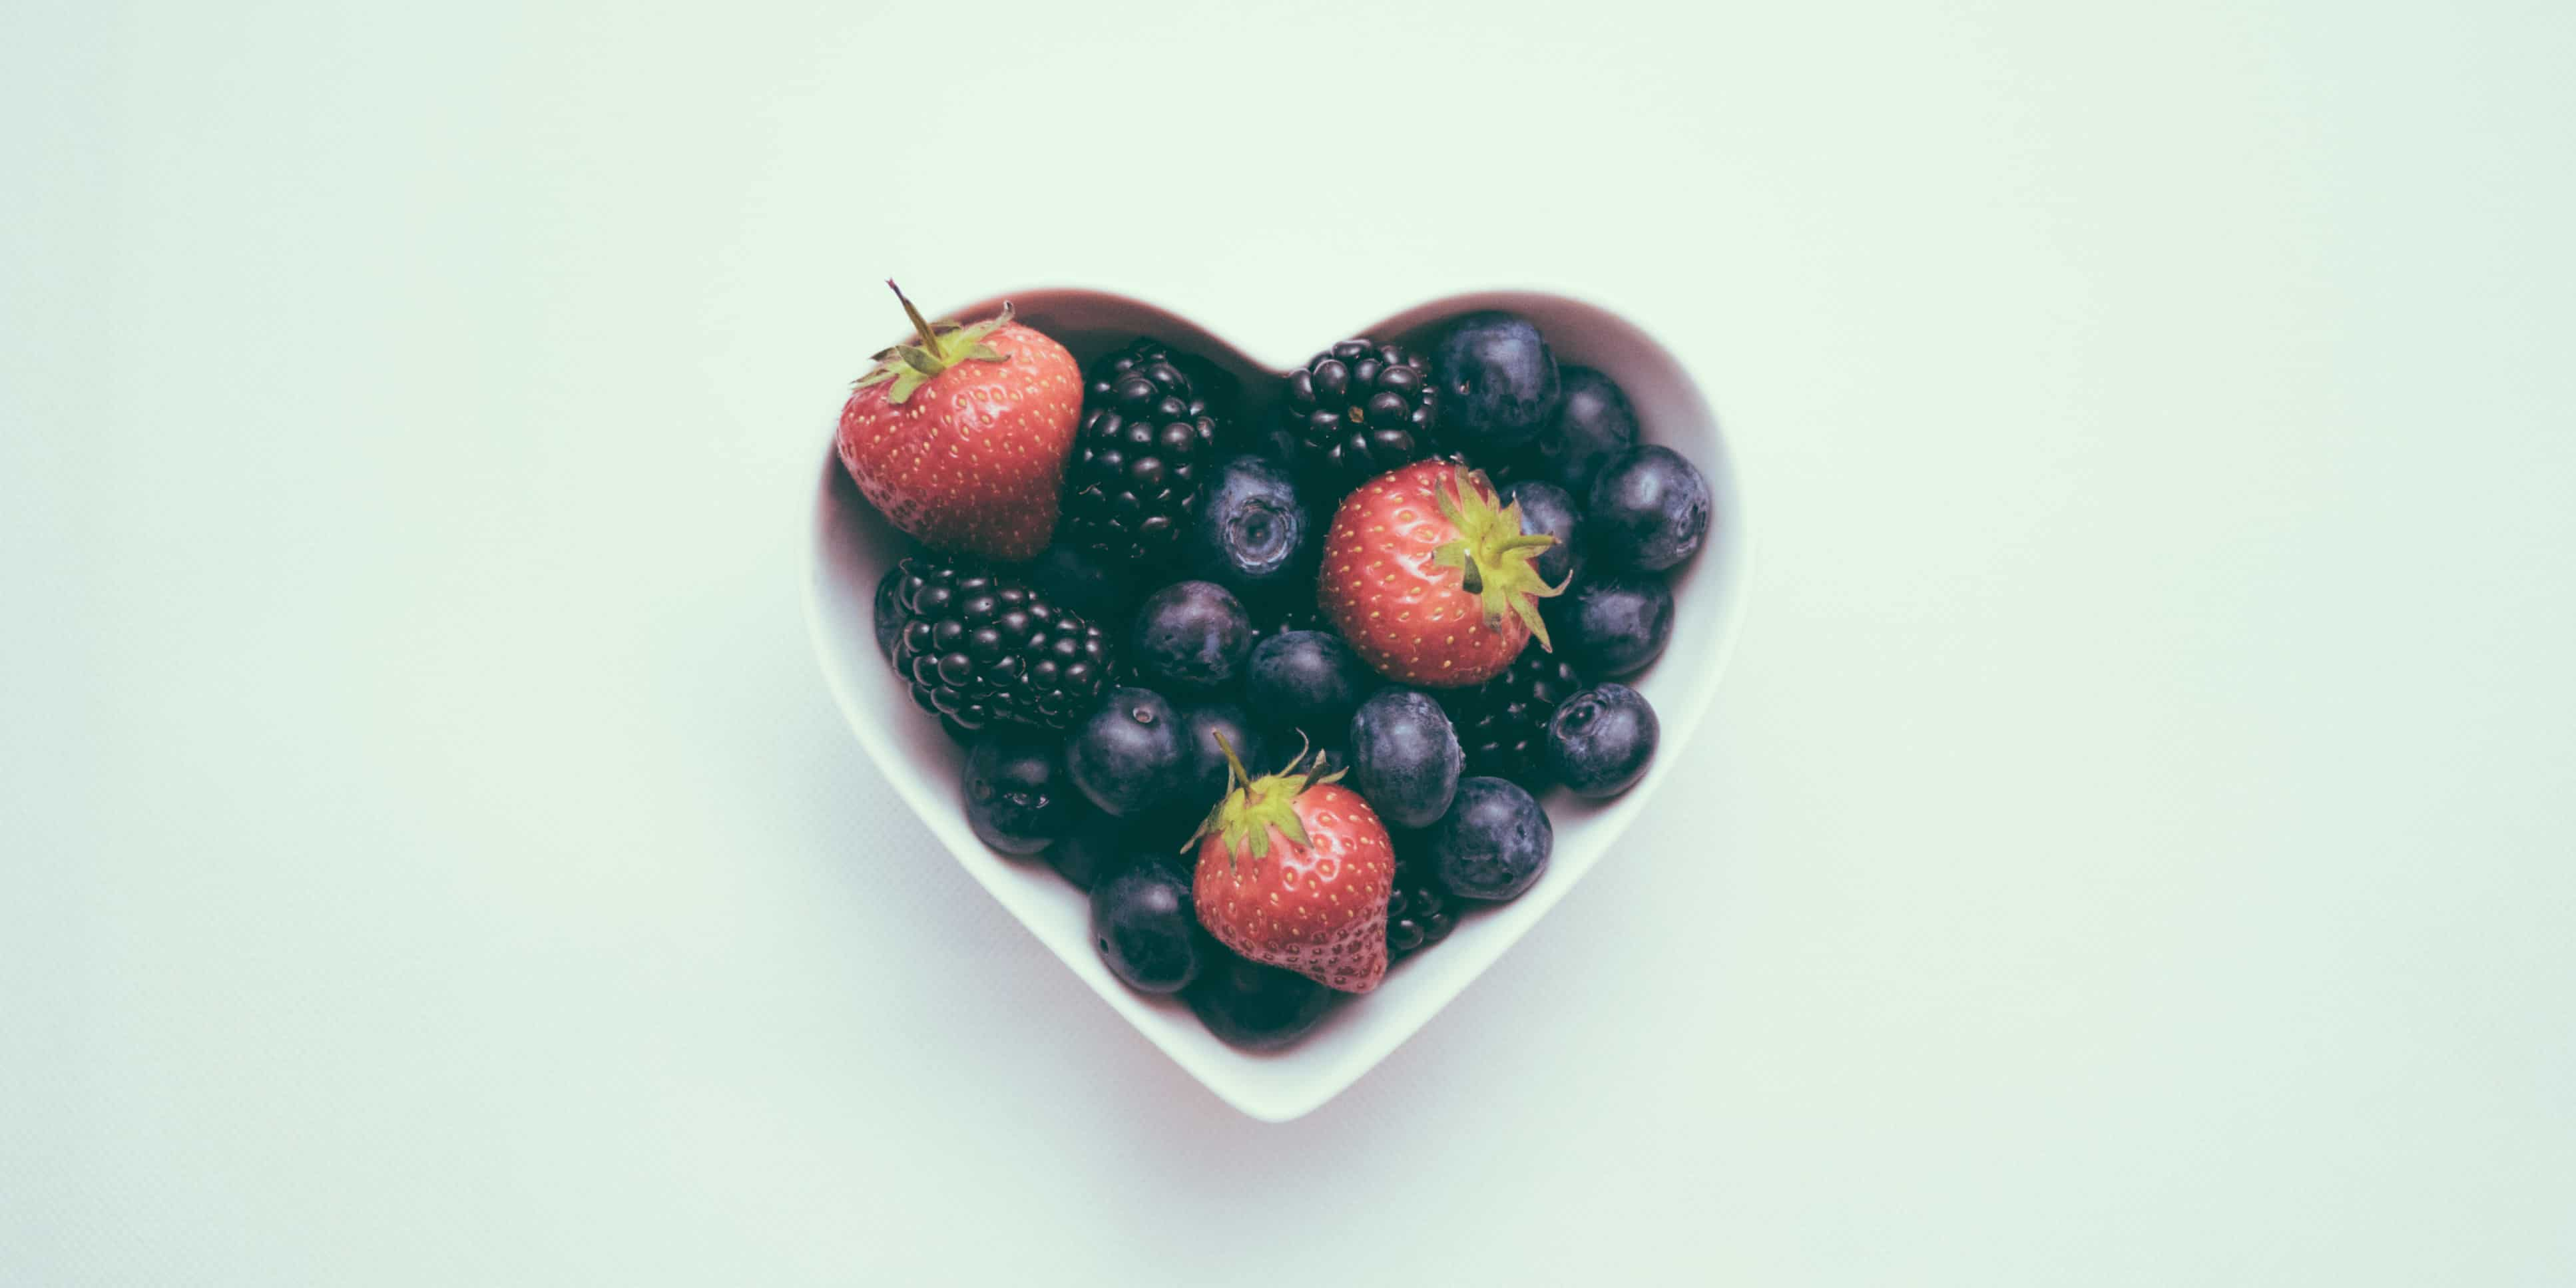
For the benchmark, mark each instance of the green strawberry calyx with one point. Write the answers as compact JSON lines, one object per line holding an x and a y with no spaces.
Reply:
{"x":1251,"y":807}
{"x":940,"y":345}
{"x":1494,"y":558}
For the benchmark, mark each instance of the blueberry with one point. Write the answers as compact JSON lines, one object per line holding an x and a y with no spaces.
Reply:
{"x":1256,"y":1007}
{"x":1017,"y":797}
{"x":1306,"y":680}
{"x":1253,"y":533}
{"x":1201,"y":726}
{"x":1498,"y":382}
{"x":1143,"y":922}
{"x":1098,"y":589}
{"x":1127,"y":755}
{"x":1097,"y":846}
{"x":1601,"y":739}
{"x":1613,"y":623}
{"x":1547,"y":510}
{"x":1493,"y":843}
{"x":1405,"y":758}
{"x":1649,"y":509}
{"x":1192,"y":637}
{"x":1593,"y":427}
{"x":889,"y":612}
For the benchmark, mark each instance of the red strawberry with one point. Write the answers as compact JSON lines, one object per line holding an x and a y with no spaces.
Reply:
{"x":1295,"y":870}
{"x":961,"y":437}
{"x":1429,"y":580}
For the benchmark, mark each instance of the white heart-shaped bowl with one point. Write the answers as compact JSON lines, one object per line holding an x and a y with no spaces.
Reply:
{"x":853,"y":546}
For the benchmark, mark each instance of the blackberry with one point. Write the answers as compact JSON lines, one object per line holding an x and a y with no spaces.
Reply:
{"x":1208,"y":382}
{"x":1502,"y":723}
{"x":1143,"y":351}
{"x":1360,"y":409}
{"x":981,"y":649}
{"x":1416,"y":915}
{"x":1146,"y":441}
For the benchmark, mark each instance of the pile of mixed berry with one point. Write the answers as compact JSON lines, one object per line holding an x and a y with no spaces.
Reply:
{"x":1272,"y":673}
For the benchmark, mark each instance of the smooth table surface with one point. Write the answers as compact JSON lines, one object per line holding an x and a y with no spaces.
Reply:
{"x":2132,"y":846}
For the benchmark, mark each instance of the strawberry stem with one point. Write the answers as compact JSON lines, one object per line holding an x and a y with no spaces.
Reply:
{"x":920,"y":324}
{"x":1233,"y":763}
{"x":1493,"y":556}
{"x":1253,"y":807}
{"x":903,"y":368}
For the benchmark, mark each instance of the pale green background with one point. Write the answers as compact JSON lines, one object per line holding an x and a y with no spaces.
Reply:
{"x":2134,"y":845}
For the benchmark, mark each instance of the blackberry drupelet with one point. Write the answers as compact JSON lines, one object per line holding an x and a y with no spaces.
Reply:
{"x":981,"y":649}
{"x":1145,"y":443}
{"x":1502,"y":723}
{"x":1416,"y":915}
{"x":1360,"y":409}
